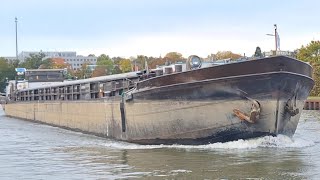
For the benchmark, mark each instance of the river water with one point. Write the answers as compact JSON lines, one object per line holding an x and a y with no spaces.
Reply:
{"x":36,"y":151}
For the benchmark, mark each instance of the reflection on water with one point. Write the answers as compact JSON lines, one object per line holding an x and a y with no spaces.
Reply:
{"x":35,"y":151}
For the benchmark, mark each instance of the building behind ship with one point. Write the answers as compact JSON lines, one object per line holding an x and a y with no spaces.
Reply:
{"x":69,"y":57}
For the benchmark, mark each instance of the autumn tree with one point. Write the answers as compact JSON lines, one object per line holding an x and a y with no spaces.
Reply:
{"x":154,"y":62}
{"x":225,"y":55}
{"x":53,"y":63}
{"x":174,"y":56}
{"x":171,"y":57}
{"x":59,"y":63}
{"x":99,"y":71}
{"x":125,"y":65}
{"x":311,"y":54}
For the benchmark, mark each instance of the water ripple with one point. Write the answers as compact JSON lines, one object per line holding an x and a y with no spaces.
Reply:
{"x":36,"y":151}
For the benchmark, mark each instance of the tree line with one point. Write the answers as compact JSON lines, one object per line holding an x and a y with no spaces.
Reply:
{"x":107,"y":65}
{"x":311,"y":54}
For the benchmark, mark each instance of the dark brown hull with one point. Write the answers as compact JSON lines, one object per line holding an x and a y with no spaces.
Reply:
{"x":265,"y":65}
{"x":171,"y":103}
{"x":194,"y":107}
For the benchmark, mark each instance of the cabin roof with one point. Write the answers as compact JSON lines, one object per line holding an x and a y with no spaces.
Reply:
{"x":89,"y":80}
{"x":43,"y":70}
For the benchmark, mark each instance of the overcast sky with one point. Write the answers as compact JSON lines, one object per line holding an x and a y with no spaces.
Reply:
{"x":153,"y":28}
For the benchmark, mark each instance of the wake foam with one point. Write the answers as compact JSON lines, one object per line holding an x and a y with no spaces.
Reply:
{"x":1,"y":111}
{"x":307,"y":135}
{"x":279,"y":141}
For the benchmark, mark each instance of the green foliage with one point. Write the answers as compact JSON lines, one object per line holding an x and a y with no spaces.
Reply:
{"x":104,"y":60}
{"x":46,"y":64}
{"x":14,"y":63}
{"x":70,"y":74}
{"x":33,"y":62}
{"x":116,"y":60}
{"x":103,"y":57}
{"x":116,"y":70}
{"x":7,"y":70}
{"x":140,"y":61}
{"x":83,"y":73}
{"x":258,"y":53}
{"x":311,"y":54}
{"x":104,"y":66}
{"x":316,"y":77}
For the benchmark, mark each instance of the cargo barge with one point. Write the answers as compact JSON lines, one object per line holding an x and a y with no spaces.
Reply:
{"x":201,"y":105}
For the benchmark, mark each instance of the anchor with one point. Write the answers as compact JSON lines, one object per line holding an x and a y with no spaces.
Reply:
{"x":291,"y":108}
{"x":252,"y":116}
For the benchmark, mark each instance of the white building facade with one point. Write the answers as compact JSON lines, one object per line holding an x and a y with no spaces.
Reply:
{"x":48,"y":54}
{"x":76,"y":62}
{"x":70,"y":57}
